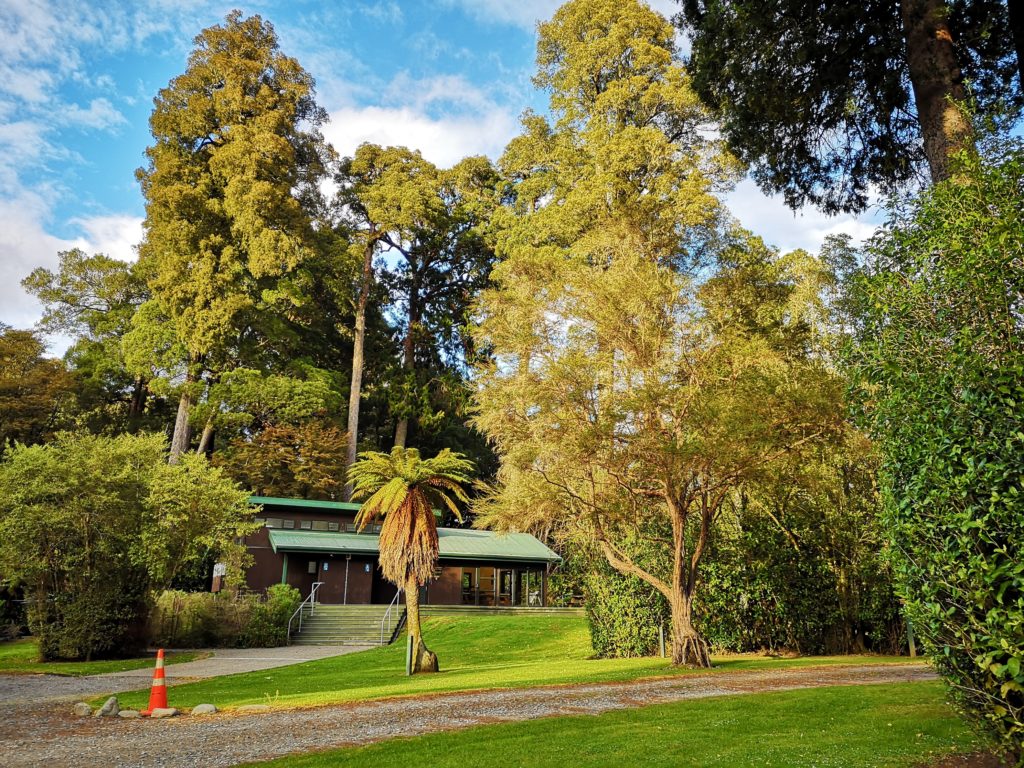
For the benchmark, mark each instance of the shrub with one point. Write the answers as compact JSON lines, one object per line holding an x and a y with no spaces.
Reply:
{"x":223,"y":620}
{"x":940,"y":352}
{"x":89,"y":525}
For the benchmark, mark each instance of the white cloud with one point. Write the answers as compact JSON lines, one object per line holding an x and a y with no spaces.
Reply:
{"x":24,"y":246}
{"x":27,"y":245}
{"x":443,"y":140}
{"x":114,"y":235}
{"x":387,"y":13}
{"x":446,"y":118}
{"x":101,"y":115}
{"x":778,"y":225}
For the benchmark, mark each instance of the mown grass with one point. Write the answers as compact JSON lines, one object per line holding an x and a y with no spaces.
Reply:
{"x":476,"y":652}
{"x":870,"y":726}
{"x":22,"y":657}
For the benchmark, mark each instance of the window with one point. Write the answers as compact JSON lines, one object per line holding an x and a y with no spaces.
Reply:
{"x":305,"y":525}
{"x":288,"y":523}
{"x":332,"y":526}
{"x":319,"y":525}
{"x":273,"y":522}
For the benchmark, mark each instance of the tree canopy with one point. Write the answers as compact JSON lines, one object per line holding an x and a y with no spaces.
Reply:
{"x":230,"y":182}
{"x":826,"y":101}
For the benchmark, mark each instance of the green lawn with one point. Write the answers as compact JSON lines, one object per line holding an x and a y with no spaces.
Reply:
{"x":475,"y":652}
{"x":870,"y":726}
{"x":22,"y":657}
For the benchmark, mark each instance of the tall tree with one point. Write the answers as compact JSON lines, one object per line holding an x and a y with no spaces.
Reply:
{"x":627,"y":385}
{"x":404,"y":489}
{"x":431,"y":219}
{"x":825,"y":101}
{"x":236,"y":162}
{"x":93,"y":298}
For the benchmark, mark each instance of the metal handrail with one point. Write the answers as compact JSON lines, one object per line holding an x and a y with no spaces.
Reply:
{"x":298,"y":611}
{"x":387,"y":616}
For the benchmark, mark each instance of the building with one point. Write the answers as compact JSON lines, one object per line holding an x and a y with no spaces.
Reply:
{"x":303,"y":542}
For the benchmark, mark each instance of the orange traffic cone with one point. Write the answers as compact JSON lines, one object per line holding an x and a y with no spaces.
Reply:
{"x":158,"y":692}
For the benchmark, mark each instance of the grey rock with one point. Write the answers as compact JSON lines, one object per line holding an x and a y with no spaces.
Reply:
{"x":129,"y":714}
{"x":159,"y":712}
{"x":254,"y":708}
{"x":82,"y":709}
{"x":110,"y":708}
{"x":204,"y":709}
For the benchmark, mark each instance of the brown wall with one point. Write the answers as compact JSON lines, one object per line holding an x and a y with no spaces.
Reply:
{"x":446,"y":590}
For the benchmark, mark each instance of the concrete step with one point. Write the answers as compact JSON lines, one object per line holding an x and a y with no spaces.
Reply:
{"x":346,"y":625}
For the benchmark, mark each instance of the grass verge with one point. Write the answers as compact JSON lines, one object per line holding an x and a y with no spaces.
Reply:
{"x":21,"y":657}
{"x":870,"y":726}
{"x":475,"y":653}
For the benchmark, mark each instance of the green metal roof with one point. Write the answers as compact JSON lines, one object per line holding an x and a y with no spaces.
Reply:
{"x":454,"y":544}
{"x":277,"y":501}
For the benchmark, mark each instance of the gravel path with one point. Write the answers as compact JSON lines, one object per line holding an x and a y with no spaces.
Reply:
{"x":45,"y":736}
{"x":20,"y":689}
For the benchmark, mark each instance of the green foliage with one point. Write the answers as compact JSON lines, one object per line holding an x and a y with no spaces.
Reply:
{"x":818,"y":99}
{"x":304,"y":461}
{"x":34,"y":390}
{"x":268,"y":623}
{"x":432,"y":222}
{"x":223,"y":620}
{"x":237,"y":153}
{"x":404,"y":489}
{"x":624,"y":614}
{"x":940,"y":353}
{"x":89,"y":525}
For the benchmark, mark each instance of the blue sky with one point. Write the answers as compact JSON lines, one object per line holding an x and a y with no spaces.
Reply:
{"x":77,"y":80}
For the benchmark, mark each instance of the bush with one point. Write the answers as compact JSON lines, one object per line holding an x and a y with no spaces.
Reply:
{"x":941,"y":354}
{"x":624,"y":614}
{"x":90,"y":525}
{"x":222,"y":620}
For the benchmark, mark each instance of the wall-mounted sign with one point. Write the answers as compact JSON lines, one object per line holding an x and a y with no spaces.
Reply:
{"x":325,"y":565}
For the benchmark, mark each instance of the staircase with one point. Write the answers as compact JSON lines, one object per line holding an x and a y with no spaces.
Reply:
{"x":349,"y":625}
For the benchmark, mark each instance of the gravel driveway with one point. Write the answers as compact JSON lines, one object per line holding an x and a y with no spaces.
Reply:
{"x":51,"y":736}
{"x":22,"y":689}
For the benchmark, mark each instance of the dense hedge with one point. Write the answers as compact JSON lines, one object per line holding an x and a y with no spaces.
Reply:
{"x":207,"y":620}
{"x":941,"y":355}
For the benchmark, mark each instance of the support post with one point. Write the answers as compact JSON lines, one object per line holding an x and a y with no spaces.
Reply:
{"x":544,"y":588}
{"x":910,"y":640}
{"x":344,"y":598}
{"x":284,"y":569}
{"x":661,"y":640}
{"x":408,"y":654}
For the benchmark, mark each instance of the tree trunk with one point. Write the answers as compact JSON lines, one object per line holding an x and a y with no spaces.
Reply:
{"x":355,"y":388}
{"x":182,"y":429}
{"x":1015,"y":8}
{"x":137,"y":405}
{"x":423,"y":659}
{"x":409,"y":357}
{"x":937,"y":81}
{"x":688,"y":647}
{"x":206,"y":440}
